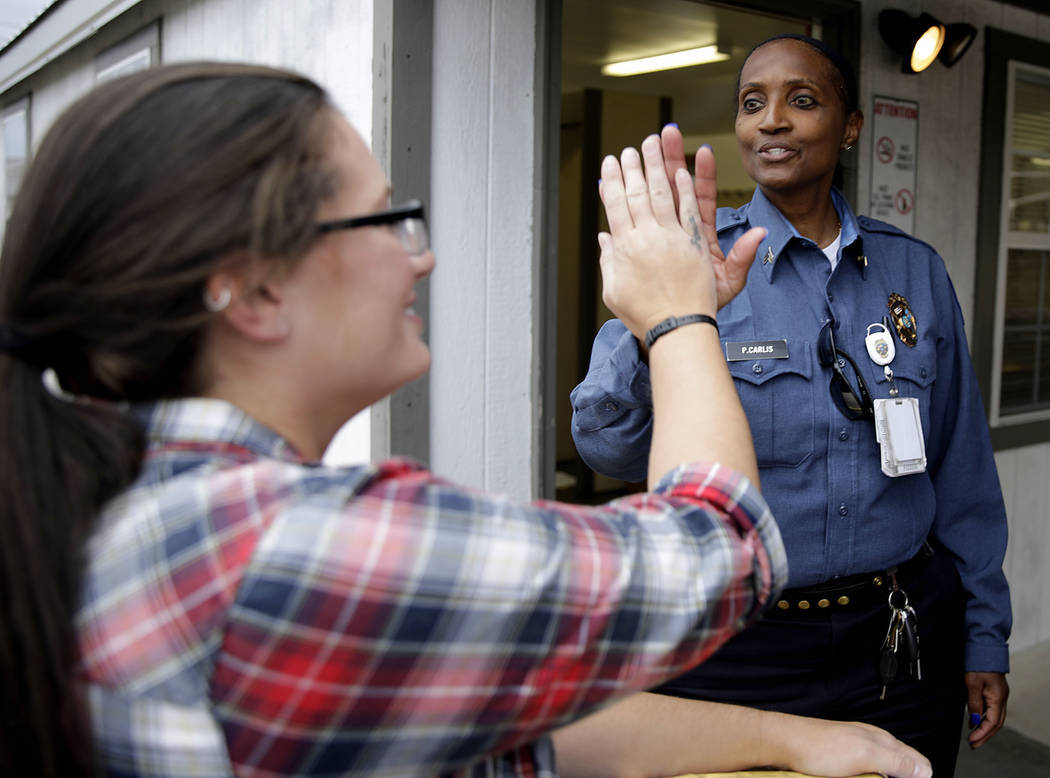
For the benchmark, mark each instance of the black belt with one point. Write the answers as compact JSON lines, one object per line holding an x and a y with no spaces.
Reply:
{"x":848,"y":592}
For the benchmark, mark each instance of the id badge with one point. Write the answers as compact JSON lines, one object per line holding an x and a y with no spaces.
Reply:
{"x":898,"y":430}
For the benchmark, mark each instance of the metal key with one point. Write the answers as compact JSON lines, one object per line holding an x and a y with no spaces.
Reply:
{"x":901,"y":636}
{"x":888,"y":660}
{"x":911,"y":642}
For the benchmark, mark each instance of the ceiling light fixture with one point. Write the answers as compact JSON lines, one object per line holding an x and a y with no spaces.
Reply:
{"x":675,"y":59}
{"x":917,"y":39}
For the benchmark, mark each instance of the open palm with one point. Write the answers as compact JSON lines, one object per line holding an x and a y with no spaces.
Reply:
{"x":730,"y":270}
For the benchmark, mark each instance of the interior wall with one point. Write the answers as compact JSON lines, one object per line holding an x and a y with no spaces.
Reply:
{"x":624,"y":118}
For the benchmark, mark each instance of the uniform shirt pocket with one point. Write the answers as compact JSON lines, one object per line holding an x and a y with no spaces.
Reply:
{"x":778,"y":398}
{"x":914,"y":373}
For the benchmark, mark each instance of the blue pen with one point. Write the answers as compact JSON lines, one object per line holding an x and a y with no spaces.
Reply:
{"x":975,"y":720}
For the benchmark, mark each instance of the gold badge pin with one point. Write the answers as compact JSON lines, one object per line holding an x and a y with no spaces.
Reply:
{"x":768,"y":258}
{"x":903,"y":319}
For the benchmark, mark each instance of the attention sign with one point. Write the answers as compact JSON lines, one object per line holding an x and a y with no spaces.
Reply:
{"x":895,"y":136}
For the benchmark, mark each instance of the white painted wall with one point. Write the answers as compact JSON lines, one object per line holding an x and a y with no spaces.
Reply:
{"x":1023,"y":473}
{"x":329,"y":40}
{"x":484,"y":209}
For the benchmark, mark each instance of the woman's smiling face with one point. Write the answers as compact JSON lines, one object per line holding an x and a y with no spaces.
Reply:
{"x":791,"y":120}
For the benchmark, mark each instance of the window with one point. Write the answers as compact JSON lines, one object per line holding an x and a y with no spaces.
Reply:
{"x":1023,"y":310}
{"x":16,"y":149}
{"x":136,"y":52}
{"x":1012,"y":336}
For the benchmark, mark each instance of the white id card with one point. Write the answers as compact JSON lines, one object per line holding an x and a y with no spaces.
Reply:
{"x":898,"y":430}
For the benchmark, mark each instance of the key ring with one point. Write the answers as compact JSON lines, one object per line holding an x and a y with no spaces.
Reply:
{"x":903,"y":594}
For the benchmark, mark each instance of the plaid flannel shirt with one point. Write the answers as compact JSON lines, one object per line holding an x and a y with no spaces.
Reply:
{"x":247,"y":612}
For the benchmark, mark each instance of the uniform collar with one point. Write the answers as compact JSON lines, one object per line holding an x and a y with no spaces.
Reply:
{"x":780,"y":232}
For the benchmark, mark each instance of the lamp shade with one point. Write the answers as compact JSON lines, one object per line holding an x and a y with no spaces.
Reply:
{"x":917,"y":39}
{"x":957,"y":39}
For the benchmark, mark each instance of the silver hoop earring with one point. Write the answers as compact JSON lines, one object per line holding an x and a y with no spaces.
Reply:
{"x":220,"y":303}
{"x":847,"y":148}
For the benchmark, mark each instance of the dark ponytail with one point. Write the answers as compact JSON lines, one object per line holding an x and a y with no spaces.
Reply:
{"x":60,"y":462}
{"x":139,"y":192}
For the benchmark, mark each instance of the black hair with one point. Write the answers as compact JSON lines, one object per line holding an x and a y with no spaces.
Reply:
{"x":848,"y":85}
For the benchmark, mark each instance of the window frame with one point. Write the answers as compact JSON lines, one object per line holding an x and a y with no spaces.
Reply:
{"x":22,"y":104}
{"x":1003,"y":53}
{"x":109,"y":63}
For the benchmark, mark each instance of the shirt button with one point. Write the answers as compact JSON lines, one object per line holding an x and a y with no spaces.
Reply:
{"x":830,"y":296}
{"x":611,"y":406}
{"x":922,"y":372}
{"x":842,"y":362}
{"x":843,"y":510}
{"x":756,"y":369}
{"x":843,"y":434}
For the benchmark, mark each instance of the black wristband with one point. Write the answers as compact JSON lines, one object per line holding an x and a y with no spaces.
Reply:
{"x":674,"y":322}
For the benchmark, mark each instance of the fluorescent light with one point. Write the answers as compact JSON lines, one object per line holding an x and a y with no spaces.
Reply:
{"x":676,"y":59}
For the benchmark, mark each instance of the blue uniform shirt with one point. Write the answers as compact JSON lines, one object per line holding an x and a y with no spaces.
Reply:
{"x":820,"y":471}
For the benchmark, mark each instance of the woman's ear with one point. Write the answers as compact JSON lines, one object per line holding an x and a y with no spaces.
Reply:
{"x":253,"y":308}
{"x":854,"y":124}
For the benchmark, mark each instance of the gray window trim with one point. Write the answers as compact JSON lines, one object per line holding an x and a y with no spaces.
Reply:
{"x":1000,"y":48}
{"x":143,"y":43}
{"x":24,"y":103}
{"x":401,"y":139}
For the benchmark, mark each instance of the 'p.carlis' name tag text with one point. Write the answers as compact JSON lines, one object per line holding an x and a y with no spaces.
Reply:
{"x":756,"y":349}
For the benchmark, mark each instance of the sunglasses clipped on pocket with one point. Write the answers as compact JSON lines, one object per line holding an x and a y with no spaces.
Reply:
{"x":853,"y":403}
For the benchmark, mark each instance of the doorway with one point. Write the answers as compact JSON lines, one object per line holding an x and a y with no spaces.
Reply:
{"x":601,"y":114}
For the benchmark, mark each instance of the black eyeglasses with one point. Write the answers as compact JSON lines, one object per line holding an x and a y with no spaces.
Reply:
{"x":852,"y":404}
{"x":408,"y":222}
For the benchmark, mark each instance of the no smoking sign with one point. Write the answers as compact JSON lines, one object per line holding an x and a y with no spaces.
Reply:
{"x":884,"y":150}
{"x":894,"y":151}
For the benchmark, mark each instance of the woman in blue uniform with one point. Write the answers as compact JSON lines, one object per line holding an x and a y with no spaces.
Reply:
{"x":849,"y":355}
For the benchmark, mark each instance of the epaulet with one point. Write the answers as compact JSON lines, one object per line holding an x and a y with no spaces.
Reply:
{"x":729,"y":217}
{"x":867,"y":224}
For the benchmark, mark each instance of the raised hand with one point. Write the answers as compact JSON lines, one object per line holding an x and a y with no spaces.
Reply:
{"x":730,"y":271}
{"x":656,"y":261}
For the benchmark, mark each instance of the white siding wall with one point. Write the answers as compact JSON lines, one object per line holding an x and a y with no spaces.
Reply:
{"x":1023,"y":473}
{"x":946,"y":217}
{"x":484,"y":210}
{"x":328,"y":40}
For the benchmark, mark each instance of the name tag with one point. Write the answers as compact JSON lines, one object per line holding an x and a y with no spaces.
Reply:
{"x":756,"y":349}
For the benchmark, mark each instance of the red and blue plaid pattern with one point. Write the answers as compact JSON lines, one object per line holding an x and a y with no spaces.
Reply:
{"x":249,"y":613}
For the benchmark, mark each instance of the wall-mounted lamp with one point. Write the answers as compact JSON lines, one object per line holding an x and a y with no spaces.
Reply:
{"x":675,"y":59}
{"x":957,"y":39}
{"x":922,"y":39}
